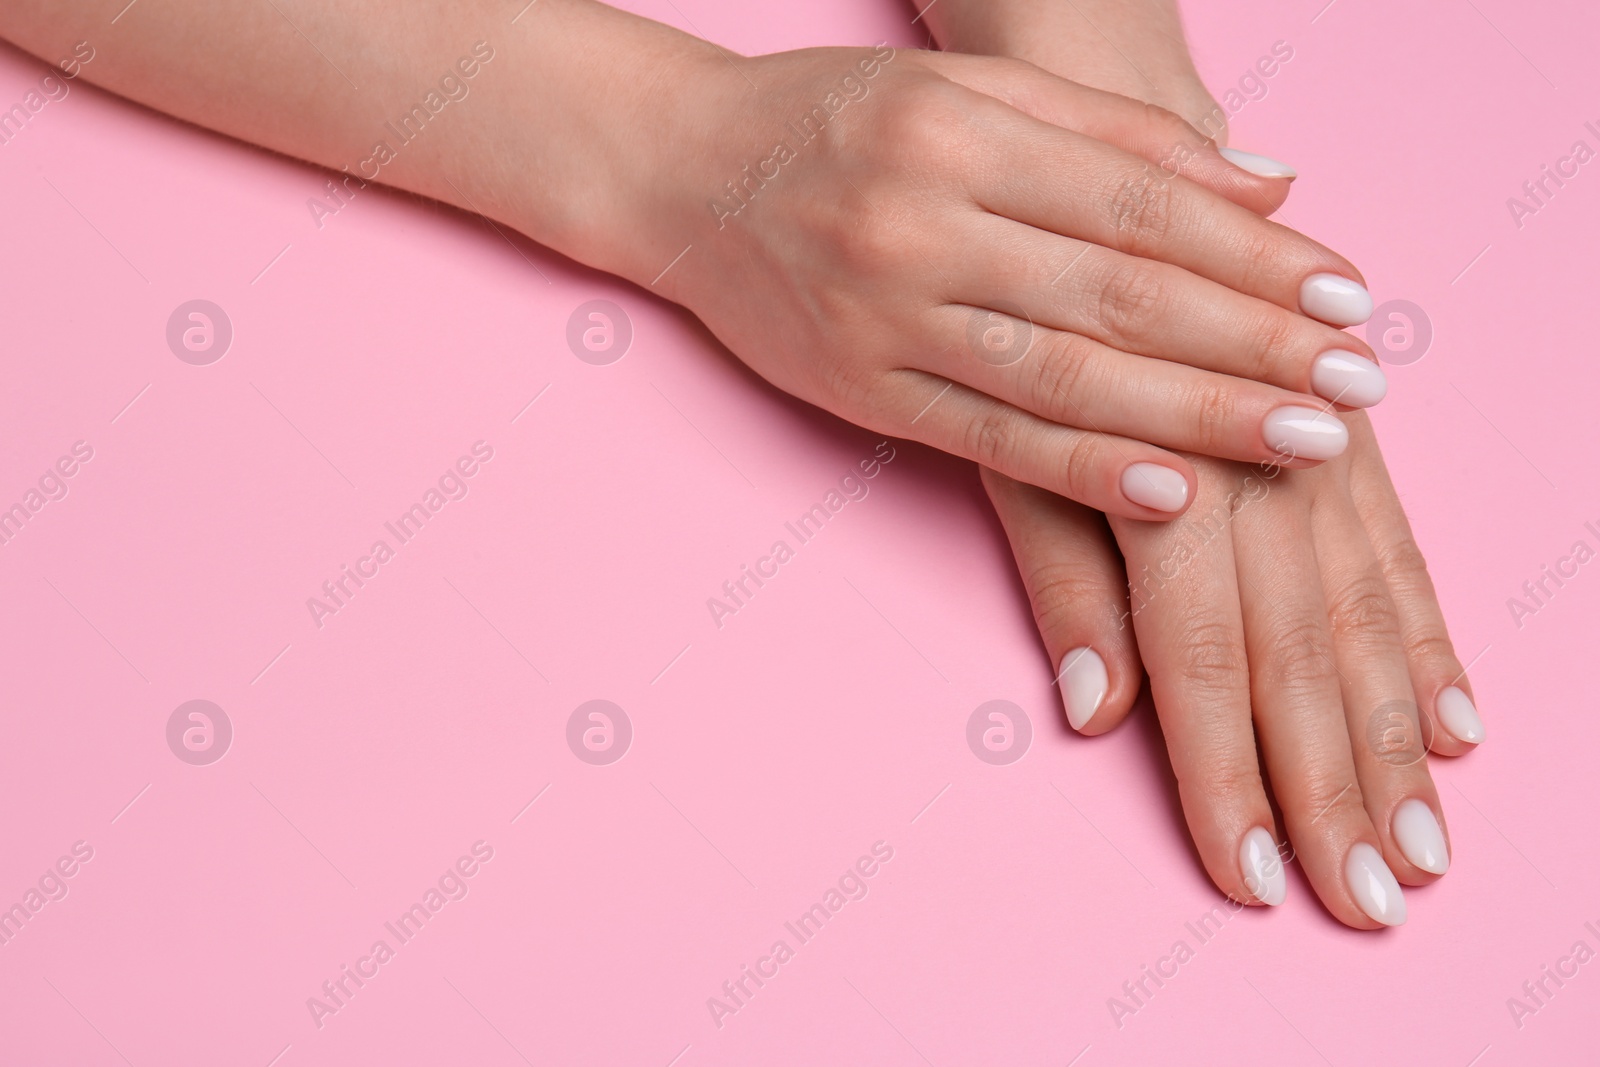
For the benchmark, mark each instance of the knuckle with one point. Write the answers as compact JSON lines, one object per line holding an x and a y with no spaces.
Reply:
{"x":1141,"y":207}
{"x":1327,"y":794}
{"x":1276,"y":334}
{"x":989,"y":438}
{"x":1432,"y":647}
{"x":923,"y":126}
{"x":1299,"y":654}
{"x":1080,"y":466}
{"x":1402,"y":558}
{"x":1363,"y":610}
{"x":1406,"y":570}
{"x":1211,"y":658}
{"x":1215,"y":411}
{"x":1262,"y":250}
{"x":853,"y":384}
{"x":1062,"y":375}
{"x":1171,"y":129}
{"x":1063,"y":593}
{"x":866,"y":241}
{"x":1222,"y":784}
{"x":1131,"y":300}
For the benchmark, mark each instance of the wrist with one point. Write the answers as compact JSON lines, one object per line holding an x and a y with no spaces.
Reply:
{"x":592,"y":155}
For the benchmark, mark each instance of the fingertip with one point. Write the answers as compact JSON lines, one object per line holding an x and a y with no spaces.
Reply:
{"x":1258,"y":165}
{"x":1096,"y":695}
{"x":1259,"y":193}
{"x":1297,"y":432}
{"x":1261,"y":868}
{"x":1458,"y":716}
{"x":1336,"y":300}
{"x":1085,"y":681}
{"x":1157,"y":490}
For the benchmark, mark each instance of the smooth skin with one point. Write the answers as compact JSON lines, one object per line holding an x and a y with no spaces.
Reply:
{"x":956,"y":184}
{"x":942,"y":194}
{"x":1287,"y":620}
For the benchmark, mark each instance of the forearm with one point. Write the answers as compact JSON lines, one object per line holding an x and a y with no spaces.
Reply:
{"x":1040,"y":30}
{"x":1132,"y":47}
{"x":549,"y":123}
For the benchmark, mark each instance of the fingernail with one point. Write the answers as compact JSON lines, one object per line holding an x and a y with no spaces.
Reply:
{"x":1348,"y":378}
{"x":1260,"y":166}
{"x":1335,"y":299}
{"x":1153,"y":486}
{"x":1304,"y":433}
{"x":1373,"y":885}
{"x":1263,"y":867}
{"x":1084,"y":684}
{"x":1458,"y":716}
{"x":1417,"y":833}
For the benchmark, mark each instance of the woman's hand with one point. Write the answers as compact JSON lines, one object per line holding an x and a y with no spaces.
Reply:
{"x":857,"y":225}
{"x":1343,"y":638}
{"x":1288,"y":617}
{"x":1052,"y":280}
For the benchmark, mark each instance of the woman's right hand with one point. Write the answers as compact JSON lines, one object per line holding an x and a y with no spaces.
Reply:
{"x":1287,"y":622}
{"x":1055,"y":281}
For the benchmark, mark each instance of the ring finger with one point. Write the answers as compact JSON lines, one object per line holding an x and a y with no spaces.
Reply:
{"x":1381,"y":711}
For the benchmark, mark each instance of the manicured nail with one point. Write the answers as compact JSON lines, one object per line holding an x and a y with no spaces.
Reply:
{"x":1304,"y":433}
{"x":1417,"y":833}
{"x":1260,"y":166}
{"x":1153,"y":486}
{"x":1348,"y":378}
{"x":1335,"y":299}
{"x":1373,"y":885}
{"x":1263,"y":867}
{"x":1084,"y":684}
{"x":1457,"y":715}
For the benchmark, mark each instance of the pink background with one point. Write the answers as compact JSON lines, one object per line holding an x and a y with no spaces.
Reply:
{"x":828,"y":715}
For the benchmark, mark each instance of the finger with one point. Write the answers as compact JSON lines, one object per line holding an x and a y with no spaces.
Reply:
{"x":1116,"y":475}
{"x":1150,"y":132}
{"x":1079,"y":592}
{"x":1184,"y":606}
{"x":1299,"y":714}
{"x":1452,"y":726}
{"x":1380,"y":708}
{"x":1064,"y":377}
{"x":1078,"y":186}
{"x":1150,"y":308}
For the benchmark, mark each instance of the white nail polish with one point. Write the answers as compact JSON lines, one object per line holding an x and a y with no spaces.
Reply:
{"x":1153,"y":486}
{"x":1348,"y":378}
{"x":1335,"y":299}
{"x":1417,"y":833}
{"x":1458,"y":716}
{"x":1373,"y":885}
{"x":1260,"y":166}
{"x":1262,"y":867}
{"x":1084,"y":684}
{"x":1304,"y":433}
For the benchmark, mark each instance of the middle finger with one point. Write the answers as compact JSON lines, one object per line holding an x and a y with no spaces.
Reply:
{"x":1299,"y":714}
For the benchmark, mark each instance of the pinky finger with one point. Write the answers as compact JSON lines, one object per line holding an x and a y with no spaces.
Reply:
{"x":1116,"y":475}
{"x":1438,"y":679}
{"x":1078,"y":586}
